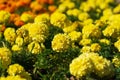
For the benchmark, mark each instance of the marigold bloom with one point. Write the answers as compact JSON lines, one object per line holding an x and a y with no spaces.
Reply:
{"x":5,"y":56}
{"x":38,"y":32}
{"x":42,"y":18}
{"x":19,"y":41}
{"x":61,"y":42}
{"x":81,"y":66}
{"x":59,"y":19}
{"x":91,"y":62}
{"x":84,"y":42}
{"x":95,"y":47}
{"x":109,"y":31}
{"x":117,"y":9}
{"x":113,"y":29}
{"x":117,"y":45}
{"x":71,"y":27}
{"x":16,"y":47}
{"x":75,"y":36}
{"x":35,"y":47}
{"x":15,"y":69}
{"x":23,"y":33}
{"x":102,"y":66}
{"x":91,"y":31}
{"x":26,"y":17}
{"x":74,"y":12}
{"x":83,"y":16}
{"x":105,"y":41}
{"x":86,"y":49}
{"x":66,"y":5}
{"x":4,"y":17}
{"x":116,"y":61}
{"x":17,"y":77}
{"x":10,"y":35}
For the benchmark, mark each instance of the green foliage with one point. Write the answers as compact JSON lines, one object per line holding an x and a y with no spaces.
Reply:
{"x":52,"y":32}
{"x":54,"y":66}
{"x":2,"y":69}
{"x":25,"y":59}
{"x":107,"y":51}
{"x":117,"y":74}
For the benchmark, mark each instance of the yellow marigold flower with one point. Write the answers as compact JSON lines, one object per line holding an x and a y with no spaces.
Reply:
{"x":87,"y":22}
{"x":36,"y":47}
{"x":10,"y":35}
{"x":95,"y":47}
{"x":59,"y":19}
{"x":26,"y":17}
{"x":91,"y":30}
{"x":85,"y":7}
{"x":75,"y":36}
{"x":114,"y":21}
{"x":81,"y":66}
{"x":38,"y":32}
{"x":100,"y":23}
{"x":110,"y":32}
{"x":74,"y":12}
{"x":17,"y":77}
{"x":24,"y":33}
{"x":23,"y":30}
{"x":67,"y":4}
{"x":83,"y":16}
{"x":91,"y":62}
{"x":84,"y":42}
{"x":19,"y":41}
{"x":61,"y":8}
{"x":16,"y":47}
{"x":42,"y":18}
{"x":116,"y":61}
{"x":105,"y":41}
{"x":4,"y":17}
{"x":86,"y":49}
{"x":107,"y":12}
{"x":116,"y":9}
{"x":113,"y":29}
{"x":117,"y":45}
{"x":103,"y":19}
{"x":60,"y":42}
{"x":103,"y":6}
{"x":102,"y":66}
{"x":15,"y":69}
{"x":5,"y":56}
{"x":71,"y":27}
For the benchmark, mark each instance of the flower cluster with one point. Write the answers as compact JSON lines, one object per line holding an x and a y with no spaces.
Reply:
{"x":90,"y":31}
{"x":90,"y":62}
{"x":10,"y":35}
{"x":38,"y":32}
{"x":42,"y":18}
{"x":16,"y":69}
{"x":61,"y":42}
{"x":4,"y":17}
{"x":116,"y":61}
{"x":17,"y":77}
{"x":35,"y":47}
{"x":88,"y":28}
{"x":59,"y":19}
{"x":81,"y":66}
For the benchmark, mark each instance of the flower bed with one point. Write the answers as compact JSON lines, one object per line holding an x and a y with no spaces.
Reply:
{"x":59,"y":40}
